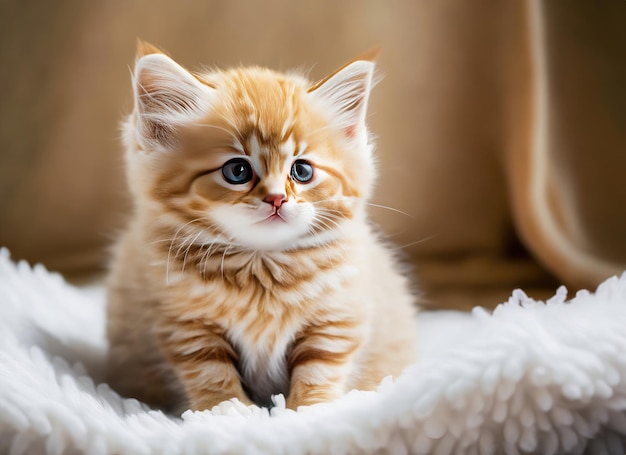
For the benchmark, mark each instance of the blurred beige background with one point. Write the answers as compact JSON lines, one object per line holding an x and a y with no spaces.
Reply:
{"x":501,"y":126}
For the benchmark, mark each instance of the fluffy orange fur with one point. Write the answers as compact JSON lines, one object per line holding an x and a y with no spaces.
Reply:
{"x":249,"y":267}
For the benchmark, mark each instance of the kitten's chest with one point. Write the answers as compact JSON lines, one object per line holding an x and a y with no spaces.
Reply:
{"x":260,"y":325}
{"x":263,"y":338}
{"x":261,"y":318}
{"x":263,"y":364}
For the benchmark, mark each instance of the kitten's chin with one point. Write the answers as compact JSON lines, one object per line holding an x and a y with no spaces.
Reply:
{"x":276,"y":238}
{"x":275,"y":235}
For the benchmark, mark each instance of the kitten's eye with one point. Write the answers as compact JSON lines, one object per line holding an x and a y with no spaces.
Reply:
{"x":237,"y":171}
{"x":302,"y":171}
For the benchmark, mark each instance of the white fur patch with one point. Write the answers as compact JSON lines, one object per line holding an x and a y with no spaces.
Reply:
{"x":249,"y":225}
{"x":264,"y":368}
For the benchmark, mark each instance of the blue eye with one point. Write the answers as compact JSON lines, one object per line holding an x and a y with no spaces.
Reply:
{"x":237,"y":171}
{"x":302,"y":171}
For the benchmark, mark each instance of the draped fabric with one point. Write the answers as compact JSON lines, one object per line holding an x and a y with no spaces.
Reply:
{"x":501,"y":126}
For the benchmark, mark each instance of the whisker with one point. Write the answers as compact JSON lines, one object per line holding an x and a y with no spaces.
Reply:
{"x":205,"y":259}
{"x":169,"y":251}
{"x":328,"y":223}
{"x":224,"y":259}
{"x":417,"y":242}
{"x":154,"y":242}
{"x":333,"y":199}
{"x":189,"y":248}
{"x":182,"y":245}
{"x":203,"y":125}
{"x":323,"y":219}
{"x":391,"y":209}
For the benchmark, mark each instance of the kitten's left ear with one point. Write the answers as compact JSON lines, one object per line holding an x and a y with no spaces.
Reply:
{"x":167,"y":96}
{"x":345,"y":93}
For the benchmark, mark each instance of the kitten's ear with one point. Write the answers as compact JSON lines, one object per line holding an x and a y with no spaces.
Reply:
{"x":346,"y":91}
{"x":166,"y":97}
{"x":145,"y":48}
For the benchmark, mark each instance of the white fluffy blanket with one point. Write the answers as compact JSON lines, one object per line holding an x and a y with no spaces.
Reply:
{"x":530,"y":377}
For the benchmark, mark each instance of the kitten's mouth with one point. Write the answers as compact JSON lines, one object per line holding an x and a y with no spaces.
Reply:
{"x":274,"y":217}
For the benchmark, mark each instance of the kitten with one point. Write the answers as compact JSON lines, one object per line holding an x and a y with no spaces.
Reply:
{"x":249,"y":267}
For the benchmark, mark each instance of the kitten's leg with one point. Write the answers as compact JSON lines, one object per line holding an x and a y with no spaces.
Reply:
{"x":321,"y":362}
{"x":204,"y":361}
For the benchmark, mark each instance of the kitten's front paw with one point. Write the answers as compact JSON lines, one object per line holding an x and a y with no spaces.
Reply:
{"x":278,"y":401}
{"x":234,"y":407}
{"x":298,"y":400}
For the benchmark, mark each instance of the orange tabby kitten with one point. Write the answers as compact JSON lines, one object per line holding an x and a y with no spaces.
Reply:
{"x":249,"y":267}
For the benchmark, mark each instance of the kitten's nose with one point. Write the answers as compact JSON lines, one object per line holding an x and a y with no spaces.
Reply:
{"x":275,"y":199}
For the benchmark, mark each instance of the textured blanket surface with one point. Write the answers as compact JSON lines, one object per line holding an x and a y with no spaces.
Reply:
{"x":529,"y":377}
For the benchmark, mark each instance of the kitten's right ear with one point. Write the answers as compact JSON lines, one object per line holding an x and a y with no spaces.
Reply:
{"x":345,"y":93}
{"x":167,"y":96}
{"x":145,"y":48}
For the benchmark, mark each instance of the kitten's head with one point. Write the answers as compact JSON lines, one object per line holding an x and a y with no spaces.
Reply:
{"x":248,"y":156}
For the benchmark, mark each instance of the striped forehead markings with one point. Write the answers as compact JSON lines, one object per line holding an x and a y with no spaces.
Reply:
{"x":288,"y":147}
{"x":240,"y":148}
{"x":301,"y":148}
{"x":254,"y":148}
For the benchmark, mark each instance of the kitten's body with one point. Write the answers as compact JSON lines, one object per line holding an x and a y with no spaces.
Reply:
{"x":253,"y":288}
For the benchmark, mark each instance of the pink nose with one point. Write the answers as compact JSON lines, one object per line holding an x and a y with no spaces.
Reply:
{"x":275,"y":199}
